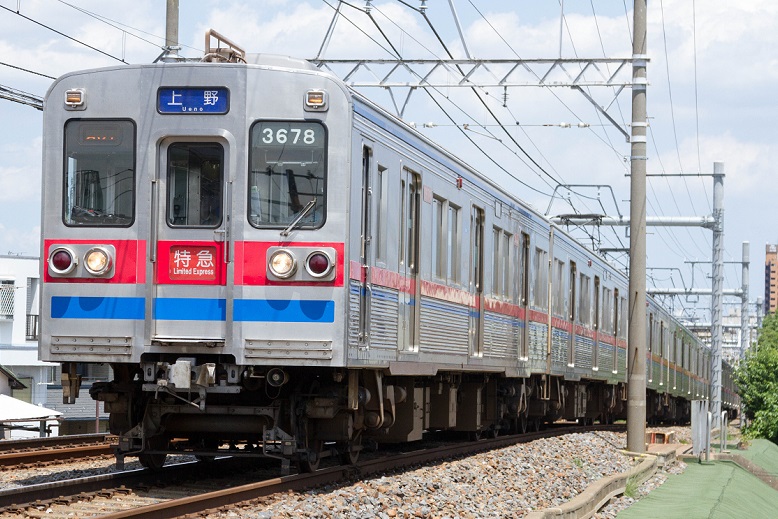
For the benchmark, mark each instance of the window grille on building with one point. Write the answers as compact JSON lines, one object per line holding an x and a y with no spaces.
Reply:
{"x":6,"y":299}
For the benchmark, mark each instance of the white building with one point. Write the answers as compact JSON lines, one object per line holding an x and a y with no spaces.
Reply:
{"x":19,"y":292}
{"x":19,"y":327}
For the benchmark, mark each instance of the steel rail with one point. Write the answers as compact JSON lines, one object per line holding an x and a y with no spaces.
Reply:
{"x":329,"y":476}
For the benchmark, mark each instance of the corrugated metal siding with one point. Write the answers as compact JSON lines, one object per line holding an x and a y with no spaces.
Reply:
{"x":605,"y":359}
{"x":622,"y":365}
{"x":584,"y":352}
{"x":353,"y":313}
{"x":559,"y":341}
{"x":538,"y":335}
{"x":501,"y":336}
{"x":444,"y":327}
{"x":384,"y":311}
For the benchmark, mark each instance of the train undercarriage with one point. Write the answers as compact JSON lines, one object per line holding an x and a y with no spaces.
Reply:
{"x":302,"y":415}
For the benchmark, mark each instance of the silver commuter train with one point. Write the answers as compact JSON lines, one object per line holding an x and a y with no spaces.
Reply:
{"x":273,"y":265}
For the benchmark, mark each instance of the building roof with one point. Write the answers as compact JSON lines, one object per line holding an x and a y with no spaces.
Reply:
{"x":14,"y":382}
{"x":14,"y":410}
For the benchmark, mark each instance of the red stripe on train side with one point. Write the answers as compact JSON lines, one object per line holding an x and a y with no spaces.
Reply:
{"x":129,"y":265}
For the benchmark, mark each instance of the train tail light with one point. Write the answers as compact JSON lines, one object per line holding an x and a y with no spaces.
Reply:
{"x":98,"y":261}
{"x":282,"y":264}
{"x":62,"y":261}
{"x":318,"y":264}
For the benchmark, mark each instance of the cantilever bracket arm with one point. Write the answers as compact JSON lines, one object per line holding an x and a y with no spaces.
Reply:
{"x":602,"y":111}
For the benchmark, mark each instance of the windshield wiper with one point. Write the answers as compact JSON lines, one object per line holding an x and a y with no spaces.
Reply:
{"x":305,"y":210}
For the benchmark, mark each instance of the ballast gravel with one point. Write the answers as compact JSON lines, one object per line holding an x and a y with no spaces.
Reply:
{"x":509,"y":482}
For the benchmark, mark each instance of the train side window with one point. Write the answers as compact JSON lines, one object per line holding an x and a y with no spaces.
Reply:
{"x":99,"y":176}
{"x":540,"y":279}
{"x":585,"y":301}
{"x":651,"y":334}
{"x":616,"y":313}
{"x":662,"y":333}
{"x":194,"y":184}
{"x":502,"y":261}
{"x":558,"y":295}
{"x":438,"y":237}
{"x":606,"y":321}
{"x":596,"y":302}
{"x":524,"y":270}
{"x":453,"y":243}
{"x":380,"y":224}
{"x":287,"y":172}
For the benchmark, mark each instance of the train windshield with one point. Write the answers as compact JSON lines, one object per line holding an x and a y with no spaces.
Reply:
{"x":287,"y":172}
{"x":99,"y":173}
{"x":194,"y":184}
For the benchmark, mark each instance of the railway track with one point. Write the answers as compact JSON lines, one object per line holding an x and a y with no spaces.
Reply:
{"x":195,"y":487}
{"x":36,"y":451}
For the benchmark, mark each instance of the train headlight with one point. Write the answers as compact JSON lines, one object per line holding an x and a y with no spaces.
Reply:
{"x":316,"y":101}
{"x":62,"y":261}
{"x":318,"y":264}
{"x":97,"y":261}
{"x":282,"y":264}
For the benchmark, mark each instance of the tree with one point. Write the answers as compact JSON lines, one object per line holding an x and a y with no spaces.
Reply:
{"x":757,"y":380}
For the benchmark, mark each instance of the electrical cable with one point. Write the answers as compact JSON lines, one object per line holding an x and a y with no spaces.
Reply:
{"x":63,"y":34}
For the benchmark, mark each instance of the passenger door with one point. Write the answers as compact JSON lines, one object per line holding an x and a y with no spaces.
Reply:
{"x":477,"y":281}
{"x":365,"y":250}
{"x":191,"y":245}
{"x":410,"y":293}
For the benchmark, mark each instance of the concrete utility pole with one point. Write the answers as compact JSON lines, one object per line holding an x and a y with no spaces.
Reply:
{"x":745,"y":325}
{"x":171,"y":24}
{"x":717,"y":284}
{"x":636,"y":389}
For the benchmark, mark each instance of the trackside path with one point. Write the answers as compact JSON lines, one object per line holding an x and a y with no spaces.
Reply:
{"x":716,"y":490}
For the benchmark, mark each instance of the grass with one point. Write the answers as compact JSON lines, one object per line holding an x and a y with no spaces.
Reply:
{"x":631,"y":488}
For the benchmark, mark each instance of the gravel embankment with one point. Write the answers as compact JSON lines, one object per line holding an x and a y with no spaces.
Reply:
{"x":505,"y":483}
{"x":509,"y":482}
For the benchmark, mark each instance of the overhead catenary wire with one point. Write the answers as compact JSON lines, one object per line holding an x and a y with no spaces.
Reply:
{"x":461,"y":129}
{"x":71,"y":38}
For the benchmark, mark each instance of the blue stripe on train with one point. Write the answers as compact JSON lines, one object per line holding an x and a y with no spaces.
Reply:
{"x":66,"y":307}
{"x":279,"y":310}
{"x":186,"y":309}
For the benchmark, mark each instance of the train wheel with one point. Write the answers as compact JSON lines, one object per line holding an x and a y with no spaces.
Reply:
{"x":523,"y":423}
{"x":152,"y":461}
{"x":309,"y":461}
{"x":350,"y":450}
{"x":157,"y":460}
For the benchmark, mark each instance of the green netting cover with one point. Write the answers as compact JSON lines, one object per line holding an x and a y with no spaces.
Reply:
{"x":721,"y":490}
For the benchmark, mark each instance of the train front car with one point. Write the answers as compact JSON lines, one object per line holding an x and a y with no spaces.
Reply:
{"x":194,"y":235}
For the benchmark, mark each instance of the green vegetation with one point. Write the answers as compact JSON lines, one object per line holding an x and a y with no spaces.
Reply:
{"x":757,"y":380}
{"x":631,"y":488}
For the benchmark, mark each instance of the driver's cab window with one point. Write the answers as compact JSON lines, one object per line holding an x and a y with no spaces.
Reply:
{"x":195,"y":183}
{"x":99,"y":187}
{"x":287,"y":174}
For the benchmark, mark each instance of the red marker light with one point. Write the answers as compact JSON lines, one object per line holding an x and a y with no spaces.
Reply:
{"x":319,"y":264}
{"x":62,"y":261}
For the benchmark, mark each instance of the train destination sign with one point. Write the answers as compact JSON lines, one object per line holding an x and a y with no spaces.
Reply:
{"x":192,"y":263}
{"x":181,"y":100}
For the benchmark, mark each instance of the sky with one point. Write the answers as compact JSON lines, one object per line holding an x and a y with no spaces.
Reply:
{"x":712,"y":75}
